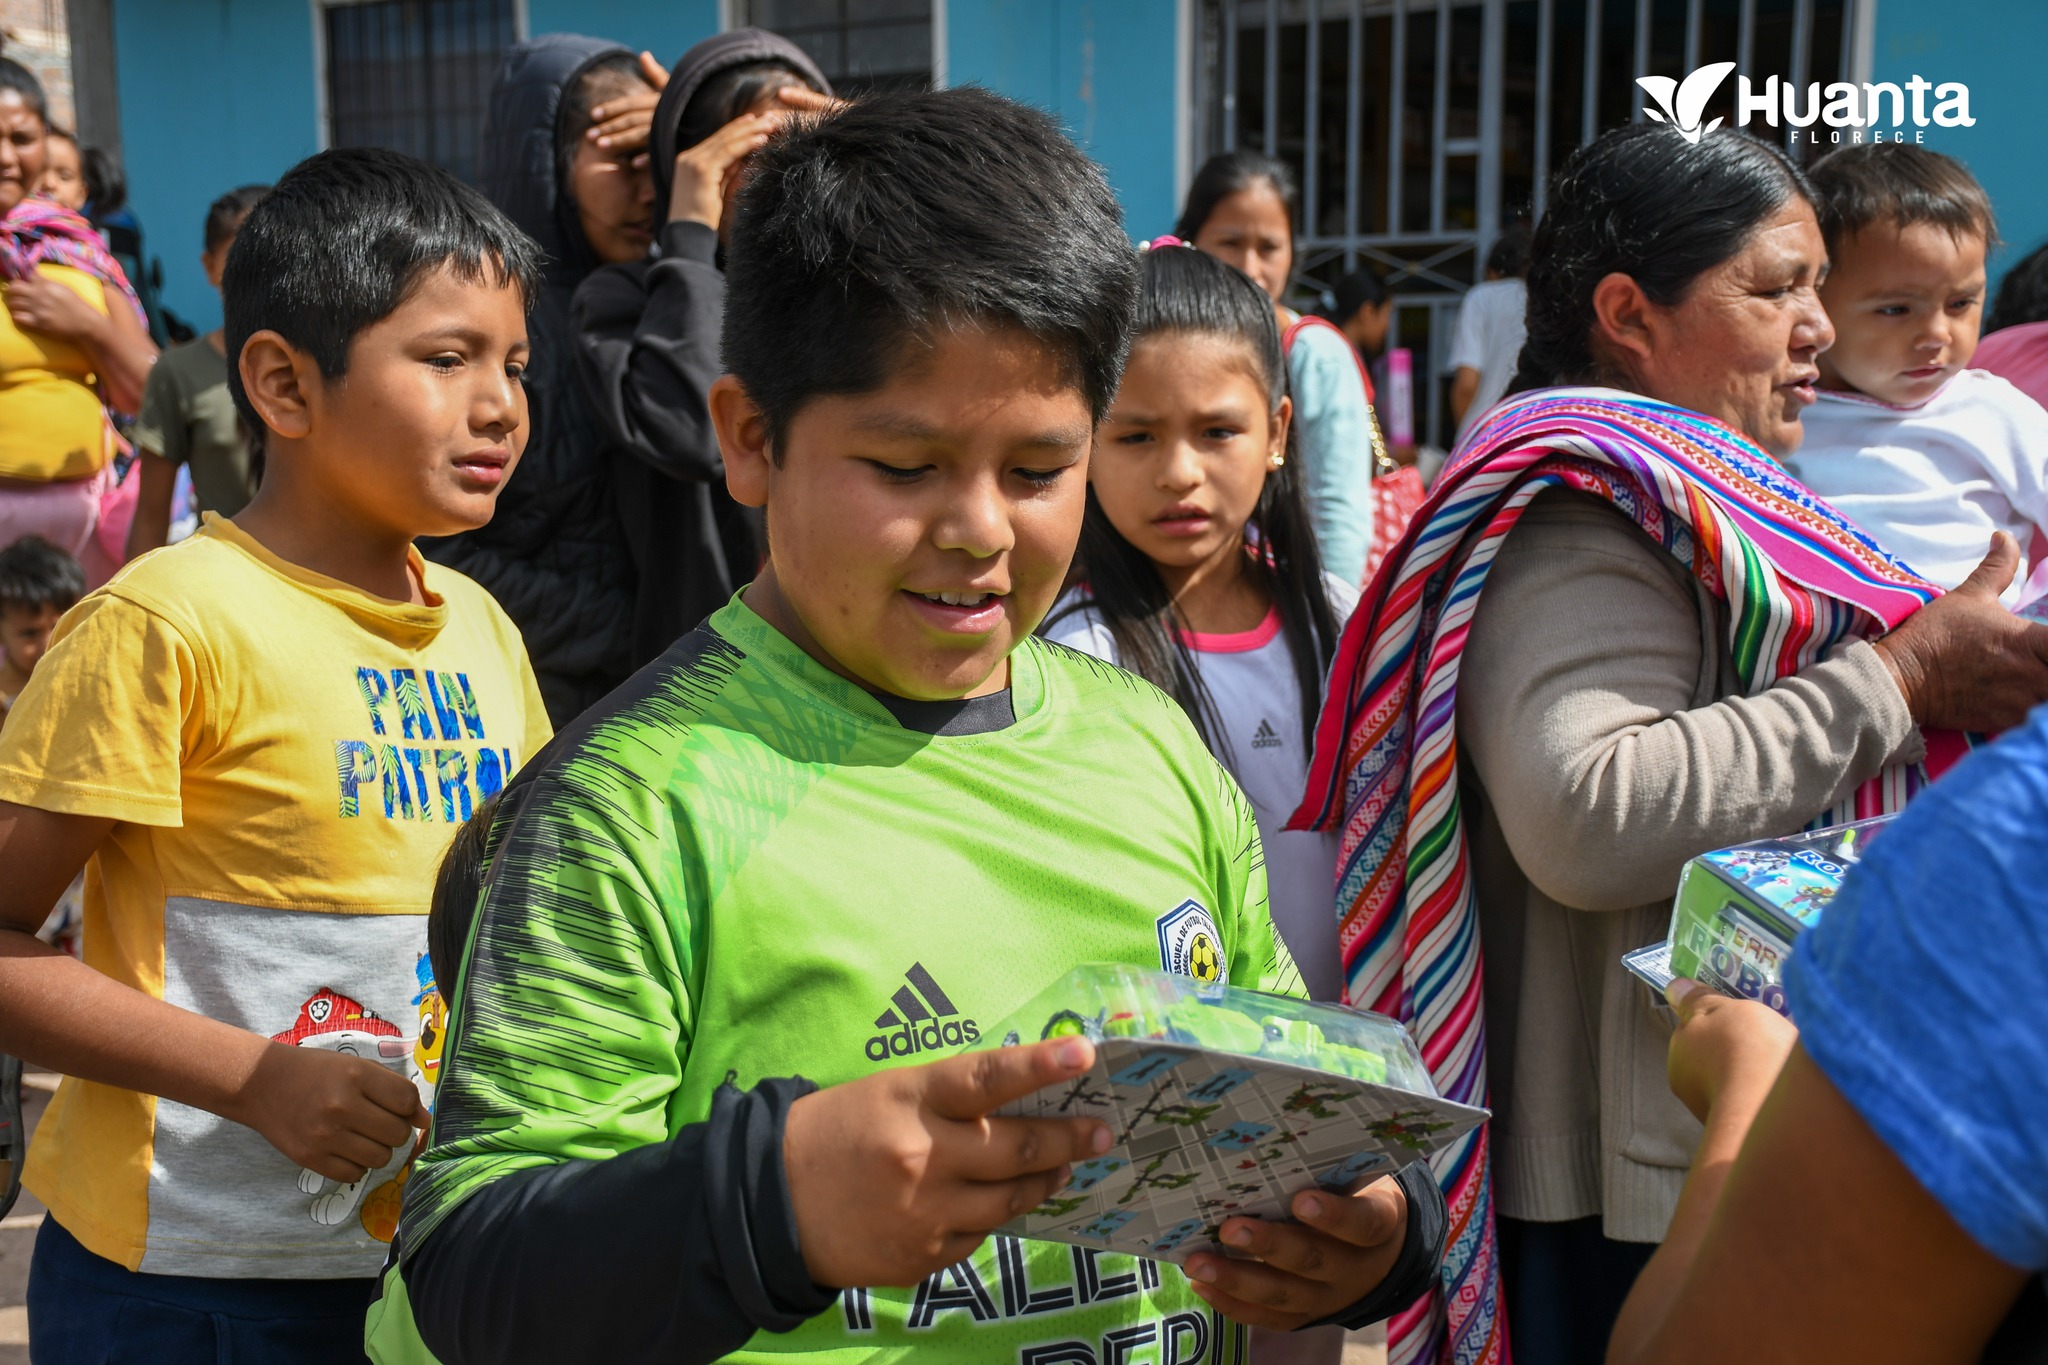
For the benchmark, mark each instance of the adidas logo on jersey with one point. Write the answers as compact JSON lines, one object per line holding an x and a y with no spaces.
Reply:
{"x":1265,"y":738}
{"x":921,"y":1018}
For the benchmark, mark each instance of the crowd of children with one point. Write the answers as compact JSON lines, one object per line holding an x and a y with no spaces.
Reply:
{"x":397,"y":1018}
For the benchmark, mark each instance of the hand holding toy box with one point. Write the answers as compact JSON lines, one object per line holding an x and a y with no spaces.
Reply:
{"x":1739,"y":909}
{"x":1222,"y":1102}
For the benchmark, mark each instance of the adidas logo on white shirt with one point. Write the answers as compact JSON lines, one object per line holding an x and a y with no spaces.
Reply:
{"x":1265,"y":738}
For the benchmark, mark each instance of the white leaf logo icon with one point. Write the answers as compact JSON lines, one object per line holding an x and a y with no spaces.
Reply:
{"x":1681,"y":105}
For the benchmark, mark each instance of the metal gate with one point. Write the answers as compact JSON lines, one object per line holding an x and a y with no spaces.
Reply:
{"x":1420,"y":128}
{"x":412,"y":75}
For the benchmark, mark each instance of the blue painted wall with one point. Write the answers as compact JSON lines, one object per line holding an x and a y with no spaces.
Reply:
{"x":214,"y":94}
{"x":1108,"y":68}
{"x":219,"y":93}
{"x":1943,"y":41}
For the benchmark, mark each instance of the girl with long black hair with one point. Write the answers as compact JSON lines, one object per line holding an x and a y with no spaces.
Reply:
{"x":1198,"y":567}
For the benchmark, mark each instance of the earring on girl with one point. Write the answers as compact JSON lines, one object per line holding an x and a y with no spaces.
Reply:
{"x":1276,"y":459}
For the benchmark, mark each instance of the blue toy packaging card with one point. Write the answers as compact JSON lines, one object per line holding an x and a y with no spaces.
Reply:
{"x":1739,"y":909}
{"x":1222,"y":1102}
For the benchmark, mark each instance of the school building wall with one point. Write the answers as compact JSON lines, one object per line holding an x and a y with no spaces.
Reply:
{"x":219,"y":93}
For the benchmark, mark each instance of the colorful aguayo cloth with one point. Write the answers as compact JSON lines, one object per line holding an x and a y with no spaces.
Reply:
{"x":1798,"y":579}
{"x":40,"y":231}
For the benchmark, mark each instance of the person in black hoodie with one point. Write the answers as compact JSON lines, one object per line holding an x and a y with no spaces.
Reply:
{"x":647,"y":333}
{"x":555,"y":555}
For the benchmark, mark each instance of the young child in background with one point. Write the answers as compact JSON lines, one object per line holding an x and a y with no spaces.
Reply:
{"x":1198,"y":568}
{"x":701,"y":1080}
{"x":64,"y":172}
{"x":188,"y":417}
{"x":1929,"y":457}
{"x":38,"y":584}
{"x":262,"y":739}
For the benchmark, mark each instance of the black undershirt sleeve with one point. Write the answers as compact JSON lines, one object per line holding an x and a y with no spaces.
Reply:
{"x":1414,"y":1272}
{"x":678,"y":1251}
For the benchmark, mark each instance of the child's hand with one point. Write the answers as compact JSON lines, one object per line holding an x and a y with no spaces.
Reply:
{"x":901,"y":1173}
{"x":1724,"y":1048}
{"x":1340,"y":1251}
{"x":339,"y":1115}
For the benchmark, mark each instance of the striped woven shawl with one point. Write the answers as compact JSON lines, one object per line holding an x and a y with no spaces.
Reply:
{"x":1798,"y":579}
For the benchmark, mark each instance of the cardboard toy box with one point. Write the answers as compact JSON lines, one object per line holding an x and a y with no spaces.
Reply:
{"x":1739,"y":909}
{"x":1222,"y":1102}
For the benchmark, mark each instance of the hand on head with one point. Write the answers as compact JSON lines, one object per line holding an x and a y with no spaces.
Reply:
{"x":1966,"y":663}
{"x":705,"y":175}
{"x":624,"y":123}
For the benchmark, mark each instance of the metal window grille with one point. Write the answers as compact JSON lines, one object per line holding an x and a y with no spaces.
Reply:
{"x":414,"y":75}
{"x":861,"y":45}
{"x":1420,"y":128}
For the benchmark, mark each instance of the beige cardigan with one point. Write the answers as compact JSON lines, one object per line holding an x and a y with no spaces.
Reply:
{"x":1603,"y":741}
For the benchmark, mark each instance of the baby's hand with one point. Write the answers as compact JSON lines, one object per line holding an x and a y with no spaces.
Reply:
{"x":902,"y":1173}
{"x":340,"y":1115}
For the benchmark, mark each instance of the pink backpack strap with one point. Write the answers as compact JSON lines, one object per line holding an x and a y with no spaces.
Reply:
{"x":1311,"y":320}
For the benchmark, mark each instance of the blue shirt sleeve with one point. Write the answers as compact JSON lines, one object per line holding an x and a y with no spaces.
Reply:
{"x":1333,"y":430}
{"x":1923,"y":993}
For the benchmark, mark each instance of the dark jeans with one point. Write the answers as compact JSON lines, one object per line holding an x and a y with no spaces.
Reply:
{"x":86,"y":1310}
{"x":1565,"y":1283}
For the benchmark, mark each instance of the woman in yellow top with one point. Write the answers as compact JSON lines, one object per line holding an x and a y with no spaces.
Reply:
{"x":72,"y":346}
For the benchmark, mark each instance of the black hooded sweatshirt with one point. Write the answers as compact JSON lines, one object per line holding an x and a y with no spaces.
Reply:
{"x":648,"y":350}
{"x":554,"y":554}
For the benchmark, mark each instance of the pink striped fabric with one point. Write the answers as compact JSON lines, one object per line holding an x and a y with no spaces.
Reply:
{"x":1798,"y":579}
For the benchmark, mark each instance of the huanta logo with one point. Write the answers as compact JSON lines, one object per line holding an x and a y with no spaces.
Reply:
{"x":922,"y":1018}
{"x":1861,"y":110}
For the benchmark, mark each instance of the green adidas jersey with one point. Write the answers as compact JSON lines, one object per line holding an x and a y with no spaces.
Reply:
{"x":755,"y":869}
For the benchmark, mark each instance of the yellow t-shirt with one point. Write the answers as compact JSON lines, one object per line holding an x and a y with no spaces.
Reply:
{"x":51,"y":424}
{"x":287,"y":757}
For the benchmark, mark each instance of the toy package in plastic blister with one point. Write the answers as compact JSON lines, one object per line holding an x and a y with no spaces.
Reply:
{"x":1739,"y":909}
{"x":1221,"y":1102}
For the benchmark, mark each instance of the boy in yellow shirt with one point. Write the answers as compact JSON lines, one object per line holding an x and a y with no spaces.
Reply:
{"x":258,"y":742}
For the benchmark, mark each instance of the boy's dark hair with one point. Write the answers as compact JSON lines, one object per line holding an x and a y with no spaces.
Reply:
{"x":457,"y":885}
{"x":340,"y":242}
{"x":2022,"y":294}
{"x":224,"y":216}
{"x":18,"y":78}
{"x":106,"y":184}
{"x":1898,"y":184}
{"x":1361,"y":287}
{"x":913,"y":211}
{"x":1191,"y":293}
{"x":36,"y":574}
{"x":1509,"y":256}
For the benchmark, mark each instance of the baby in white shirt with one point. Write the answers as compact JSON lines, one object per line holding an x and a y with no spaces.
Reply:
{"x":1927,"y":457}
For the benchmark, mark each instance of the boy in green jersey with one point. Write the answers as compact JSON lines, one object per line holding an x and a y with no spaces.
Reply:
{"x":711,"y":1084}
